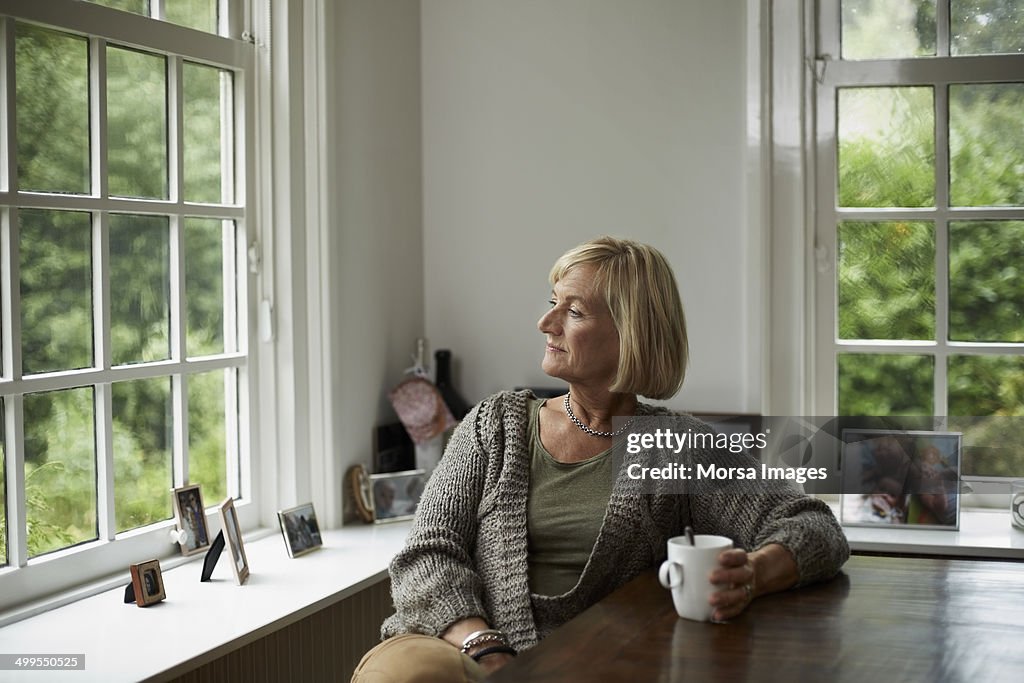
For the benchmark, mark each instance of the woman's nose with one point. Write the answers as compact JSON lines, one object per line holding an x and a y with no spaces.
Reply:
{"x":547,"y":322}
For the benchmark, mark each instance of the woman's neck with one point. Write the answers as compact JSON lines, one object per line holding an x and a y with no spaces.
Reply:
{"x":596,"y":408}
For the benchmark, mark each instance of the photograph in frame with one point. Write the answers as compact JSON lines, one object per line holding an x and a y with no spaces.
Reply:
{"x":233,"y":540}
{"x":300,"y":529}
{"x":147,"y":582}
{"x":901,"y":479}
{"x":396,"y":495}
{"x":191,"y":517}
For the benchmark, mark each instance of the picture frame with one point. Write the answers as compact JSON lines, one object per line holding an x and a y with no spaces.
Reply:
{"x":901,"y":478}
{"x":190,"y":515}
{"x":233,"y":540}
{"x":147,"y":582}
{"x":300,"y":530}
{"x":393,"y":448}
{"x":396,"y":495}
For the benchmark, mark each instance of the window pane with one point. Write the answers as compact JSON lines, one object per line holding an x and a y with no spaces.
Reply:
{"x":886,"y":147}
{"x":60,"y":469}
{"x":137,"y":123}
{"x":197,"y":14}
{"x":140,"y":303}
{"x":52,"y":102}
{"x":986,"y":140}
{"x":142,"y":451}
{"x":887,"y":29}
{"x":886,"y":280}
{"x":882,"y":385}
{"x":986,"y":281}
{"x":207,"y":433}
{"x":986,"y":27}
{"x":989,"y":386}
{"x":204,"y":136}
{"x":56,"y":290}
{"x":133,"y":6}
{"x":204,"y":285}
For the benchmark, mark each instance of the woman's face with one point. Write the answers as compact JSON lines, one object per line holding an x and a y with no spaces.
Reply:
{"x":582,"y":342}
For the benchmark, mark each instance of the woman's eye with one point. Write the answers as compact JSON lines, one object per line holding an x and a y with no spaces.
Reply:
{"x":574,"y":313}
{"x":552,"y":302}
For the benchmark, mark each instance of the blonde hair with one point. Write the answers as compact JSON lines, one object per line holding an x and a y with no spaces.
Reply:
{"x":641,"y":292}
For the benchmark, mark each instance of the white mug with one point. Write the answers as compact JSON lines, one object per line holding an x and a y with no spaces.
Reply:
{"x":687,"y":570}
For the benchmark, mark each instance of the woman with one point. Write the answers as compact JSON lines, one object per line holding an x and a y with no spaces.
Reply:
{"x":525,"y":523}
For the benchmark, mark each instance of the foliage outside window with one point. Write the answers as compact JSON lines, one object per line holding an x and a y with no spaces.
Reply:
{"x":123,"y":237}
{"x":921,"y":192}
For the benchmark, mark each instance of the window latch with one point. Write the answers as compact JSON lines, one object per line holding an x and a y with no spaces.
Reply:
{"x":818,"y":66}
{"x":821,"y":259}
{"x":255,"y":258}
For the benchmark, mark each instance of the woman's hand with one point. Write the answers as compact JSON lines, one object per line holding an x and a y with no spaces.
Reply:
{"x":737,"y":577}
{"x":458,"y":631}
{"x":743,"y":576}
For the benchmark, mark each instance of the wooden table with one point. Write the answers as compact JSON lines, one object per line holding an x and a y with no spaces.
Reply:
{"x":882,"y":620}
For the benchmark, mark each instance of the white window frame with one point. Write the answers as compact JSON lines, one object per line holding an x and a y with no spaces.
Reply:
{"x":24,"y":580}
{"x":826,"y":74}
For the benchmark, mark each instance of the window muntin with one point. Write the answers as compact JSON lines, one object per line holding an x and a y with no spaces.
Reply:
{"x":920,"y":200}
{"x":131,"y":249}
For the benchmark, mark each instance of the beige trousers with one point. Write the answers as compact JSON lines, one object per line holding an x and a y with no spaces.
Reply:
{"x":415,"y":658}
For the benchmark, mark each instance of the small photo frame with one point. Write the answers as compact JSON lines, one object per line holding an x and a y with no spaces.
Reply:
{"x":300,"y":530}
{"x":233,"y":540}
{"x":897,"y":478}
{"x":396,"y":495}
{"x":147,"y":582}
{"x":191,"y":517}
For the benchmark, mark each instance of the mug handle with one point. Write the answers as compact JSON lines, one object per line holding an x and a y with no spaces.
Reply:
{"x":665,"y":574}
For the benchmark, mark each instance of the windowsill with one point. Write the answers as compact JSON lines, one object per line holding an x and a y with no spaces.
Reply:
{"x":199,"y":622}
{"x":983,"y":533}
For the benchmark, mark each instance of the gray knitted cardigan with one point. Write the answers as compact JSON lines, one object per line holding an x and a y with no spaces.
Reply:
{"x":466,"y":554}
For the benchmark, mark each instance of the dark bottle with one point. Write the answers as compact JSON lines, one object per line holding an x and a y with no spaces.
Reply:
{"x":455,"y":402}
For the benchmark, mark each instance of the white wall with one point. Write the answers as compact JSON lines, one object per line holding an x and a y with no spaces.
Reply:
{"x":470,"y":142}
{"x":374,"y":212}
{"x":547,"y":122}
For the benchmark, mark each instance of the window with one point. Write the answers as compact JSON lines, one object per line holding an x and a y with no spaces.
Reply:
{"x":920,"y":217}
{"x":125,"y":292}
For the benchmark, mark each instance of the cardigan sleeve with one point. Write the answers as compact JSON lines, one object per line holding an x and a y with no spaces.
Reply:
{"x":756,"y":513}
{"x":433,"y":580}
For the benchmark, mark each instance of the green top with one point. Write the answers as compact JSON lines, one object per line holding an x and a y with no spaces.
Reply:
{"x":564,"y":513}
